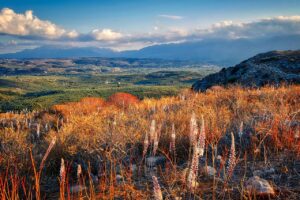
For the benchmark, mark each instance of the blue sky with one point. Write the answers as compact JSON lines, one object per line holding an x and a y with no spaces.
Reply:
{"x":116,"y":23}
{"x":136,"y":15}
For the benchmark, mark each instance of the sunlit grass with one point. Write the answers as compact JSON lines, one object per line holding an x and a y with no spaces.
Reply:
{"x":107,"y":138}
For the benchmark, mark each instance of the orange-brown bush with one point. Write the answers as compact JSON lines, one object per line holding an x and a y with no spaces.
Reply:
{"x":122,"y":99}
{"x":85,"y":106}
{"x":100,"y":134}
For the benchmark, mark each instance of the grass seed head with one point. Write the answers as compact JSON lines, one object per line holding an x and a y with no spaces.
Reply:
{"x":62,"y":171}
{"x":193,"y":129}
{"x":156,"y":189}
{"x":79,"y":171}
{"x":232,"y":157}
{"x":152,"y":130}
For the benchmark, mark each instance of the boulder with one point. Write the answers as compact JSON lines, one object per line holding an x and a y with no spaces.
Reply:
{"x":259,"y":186}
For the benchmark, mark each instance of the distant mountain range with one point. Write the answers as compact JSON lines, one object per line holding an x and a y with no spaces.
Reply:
{"x":60,"y":52}
{"x":215,"y":51}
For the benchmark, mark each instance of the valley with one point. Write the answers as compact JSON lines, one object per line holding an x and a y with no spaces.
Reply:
{"x":41,"y":83}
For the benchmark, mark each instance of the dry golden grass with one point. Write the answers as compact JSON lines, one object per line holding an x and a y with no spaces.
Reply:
{"x":107,"y":138}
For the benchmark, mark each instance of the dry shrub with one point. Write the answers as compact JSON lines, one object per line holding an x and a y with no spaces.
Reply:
{"x":85,"y":106}
{"x":122,"y":99}
{"x":13,"y":148}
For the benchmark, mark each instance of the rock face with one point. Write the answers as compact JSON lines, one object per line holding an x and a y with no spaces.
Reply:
{"x":274,"y":67}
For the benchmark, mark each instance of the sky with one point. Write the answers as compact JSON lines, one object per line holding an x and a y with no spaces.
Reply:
{"x":134,"y":24}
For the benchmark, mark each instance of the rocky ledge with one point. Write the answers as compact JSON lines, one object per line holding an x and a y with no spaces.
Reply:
{"x":273,"y":68}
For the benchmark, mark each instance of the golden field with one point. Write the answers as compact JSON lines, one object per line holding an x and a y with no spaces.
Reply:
{"x":95,"y":148}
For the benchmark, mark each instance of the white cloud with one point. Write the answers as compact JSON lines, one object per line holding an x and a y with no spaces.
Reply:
{"x":72,"y":34}
{"x":269,"y":27}
{"x":284,"y":18}
{"x":173,"y":17}
{"x":223,"y":24}
{"x":28,"y":27}
{"x":106,"y":35}
{"x":175,"y":31}
{"x":27,"y":24}
{"x":276,"y":26}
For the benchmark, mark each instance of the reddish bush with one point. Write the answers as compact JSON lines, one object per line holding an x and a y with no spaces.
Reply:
{"x":122,"y":99}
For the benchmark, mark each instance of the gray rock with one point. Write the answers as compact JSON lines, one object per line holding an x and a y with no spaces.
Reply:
{"x":133,"y":168}
{"x":268,"y":68}
{"x":270,"y":171}
{"x":259,"y":186}
{"x":257,"y":173}
{"x":77,"y":188}
{"x":154,"y":161}
{"x":210,"y":171}
{"x":94,"y":178}
{"x":119,"y":179}
{"x":265,"y":172}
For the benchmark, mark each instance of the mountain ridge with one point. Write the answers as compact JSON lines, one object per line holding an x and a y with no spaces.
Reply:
{"x":51,"y":51}
{"x":225,"y":52}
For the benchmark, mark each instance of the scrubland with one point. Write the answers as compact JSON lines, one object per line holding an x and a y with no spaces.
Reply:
{"x":191,"y":146}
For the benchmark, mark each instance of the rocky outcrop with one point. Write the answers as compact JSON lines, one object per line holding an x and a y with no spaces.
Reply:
{"x":273,"y":68}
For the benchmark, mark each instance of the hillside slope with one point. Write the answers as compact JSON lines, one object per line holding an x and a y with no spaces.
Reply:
{"x":272,"y":67}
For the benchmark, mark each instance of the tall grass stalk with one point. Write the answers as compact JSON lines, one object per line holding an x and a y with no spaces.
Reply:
{"x":37,"y":174}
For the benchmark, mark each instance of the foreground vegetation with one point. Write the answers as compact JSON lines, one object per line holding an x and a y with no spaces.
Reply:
{"x":189,"y":146}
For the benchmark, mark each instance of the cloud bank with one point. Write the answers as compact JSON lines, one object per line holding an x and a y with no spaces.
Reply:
{"x":29,"y":27}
